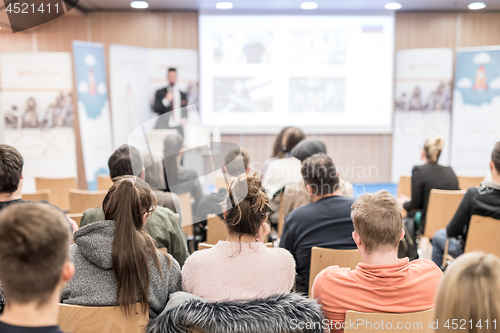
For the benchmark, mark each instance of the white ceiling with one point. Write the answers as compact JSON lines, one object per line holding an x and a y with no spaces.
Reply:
{"x":290,"y":5}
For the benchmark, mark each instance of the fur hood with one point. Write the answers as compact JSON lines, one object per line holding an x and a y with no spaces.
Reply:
{"x":288,"y":313}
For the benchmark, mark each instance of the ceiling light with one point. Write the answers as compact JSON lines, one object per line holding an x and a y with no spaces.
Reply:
{"x":224,"y":5}
{"x":393,"y":5}
{"x":309,"y":5}
{"x":477,"y":5}
{"x":139,"y":4}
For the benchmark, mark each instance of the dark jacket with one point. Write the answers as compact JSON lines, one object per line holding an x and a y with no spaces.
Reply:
{"x":483,"y":200}
{"x":325,"y":223}
{"x":162,"y":109}
{"x":425,"y":178}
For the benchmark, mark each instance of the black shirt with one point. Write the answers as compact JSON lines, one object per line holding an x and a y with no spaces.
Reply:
{"x":483,"y":200}
{"x":6,"y":328}
{"x":325,"y":223}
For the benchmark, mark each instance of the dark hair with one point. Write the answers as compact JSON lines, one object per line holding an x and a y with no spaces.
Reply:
{"x":495,"y":156}
{"x":171,"y":147}
{"x":320,"y":173}
{"x":125,"y":161}
{"x":171,"y":69}
{"x":278,"y":142}
{"x":247,"y":205}
{"x":125,"y":203}
{"x":234,"y":169}
{"x":11,"y":168}
{"x":34,"y":243}
{"x":291,"y":137}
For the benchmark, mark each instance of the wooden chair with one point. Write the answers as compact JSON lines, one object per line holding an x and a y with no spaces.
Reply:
{"x":220,"y":182}
{"x":483,"y":235}
{"x":281,"y":215}
{"x":105,"y":319}
{"x":80,"y":200}
{"x":466,"y":183}
{"x":440,"y":210}
{"x":322,"y":258}
{"x":187,"y":213}
{"x":59,"y":190}
{"x":76,"y":217}
{"x":392,"y":322}
{"x":204,"y":246}
{"x":37,"y":196}
{"x":404,"y":186}
{"x":103,"y":183}
{"x":216,"y":229}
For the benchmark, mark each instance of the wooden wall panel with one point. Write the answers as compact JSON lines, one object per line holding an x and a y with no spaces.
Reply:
{"x":185,"y":30}
{"x":480,"y":29}
{"x":57,"y":35}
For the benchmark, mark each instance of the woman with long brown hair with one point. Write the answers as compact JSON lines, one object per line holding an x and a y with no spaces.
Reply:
{"x":116,"y":261}
{"x":242,"y":267}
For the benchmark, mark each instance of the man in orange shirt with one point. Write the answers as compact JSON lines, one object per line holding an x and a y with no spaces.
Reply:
{"x":381,"y":282}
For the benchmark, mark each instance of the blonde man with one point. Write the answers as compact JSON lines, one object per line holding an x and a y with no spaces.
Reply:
{"x":381,"y":282}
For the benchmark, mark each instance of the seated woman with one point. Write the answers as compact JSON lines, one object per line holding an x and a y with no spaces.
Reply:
{"x":429,"y":176}
{"x":469,"y":295}
{"x":116,"y":261}
{"x":241,"y":268}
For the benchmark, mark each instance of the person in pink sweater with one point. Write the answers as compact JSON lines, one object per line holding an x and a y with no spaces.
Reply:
{"x":242,"y":267}
{"x":381,"y":282}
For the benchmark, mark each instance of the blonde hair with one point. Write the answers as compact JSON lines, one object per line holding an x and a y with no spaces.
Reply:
{"x":470,"y":293}
{"x":378,"y":221}
{"x":433,"y":147}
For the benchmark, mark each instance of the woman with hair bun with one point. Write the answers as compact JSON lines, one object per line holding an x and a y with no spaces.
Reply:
{"x":242,"y":267}
{"x":429,"y":176}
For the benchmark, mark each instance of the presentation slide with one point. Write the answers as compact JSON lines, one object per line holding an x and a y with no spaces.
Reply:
{"x":330,"y":73}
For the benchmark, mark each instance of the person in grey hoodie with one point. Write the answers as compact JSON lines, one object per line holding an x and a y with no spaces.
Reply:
{"x":116,"y":261}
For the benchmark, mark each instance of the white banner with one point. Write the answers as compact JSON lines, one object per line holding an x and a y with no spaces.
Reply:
{"x":476,"y":109}
{"x":422,"y":106}
{"x":37,"y":111}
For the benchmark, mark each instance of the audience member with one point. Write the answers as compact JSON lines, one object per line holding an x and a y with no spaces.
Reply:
{"x":381,"y":282}
{"x":296,"y":195}
{"x":163,"y":225}
{"x":11,"y":174}
{"x":277,"y":152}
{"x":429,"y":176}
{"x":116,"y":261}
{"x":469,"y":295}
{"x":325,"y":222}
{"x":34,"y":266}
{"x":242,"y":267}
{"x":483,"y":200}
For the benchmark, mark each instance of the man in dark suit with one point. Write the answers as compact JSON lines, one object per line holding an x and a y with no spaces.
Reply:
{"x":171,"y":103}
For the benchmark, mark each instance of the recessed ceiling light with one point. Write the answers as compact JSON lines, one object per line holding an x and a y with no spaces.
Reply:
{"x":224,"y":5}
{"x":393,"y":5}
{"x":139,"y":4}
{"x":477,"y":5}
{"x":309,"y":5}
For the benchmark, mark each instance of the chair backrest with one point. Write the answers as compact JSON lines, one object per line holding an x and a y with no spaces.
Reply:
{"x":483,"y":235}
{"x":80,"y":200}
{"x":103,"y":319}
{"x":404,"y":186}
{"x":59,"y":190}
{"x":220,"y":182}
{"x":37,"y":196}
{"x":216,"y":229}
{"x":465,"y":183}
{"x":204,"y":246}
{"x":103,"y":182}
{"x":442,"y":206}
{"x":322,"y":258}
{"x":281,"y":214}
{"x":76,"y":217}
{"x":389,"y":322}
{"x":187,"y":213}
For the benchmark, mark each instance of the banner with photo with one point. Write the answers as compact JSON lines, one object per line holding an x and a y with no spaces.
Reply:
{"x":37,"y":113}
{"x":93,"y":109}
{"x":476,"y":109}
{"x":422,"y":106}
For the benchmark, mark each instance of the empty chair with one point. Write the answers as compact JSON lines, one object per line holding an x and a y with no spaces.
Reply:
{"x":104,"y":182}
{"x":216,"y":229}
{"x":59,"y":190}
{"x":105,"y":319}
{"x":187,"y":211}
{"x":389,"y":322}
{"x":465,"y":182}
{"x":404,"y":186}
{"x":322,"y":258}
{"x":483,"y":235}
{"x":80,"y":200}
{"x":76,"y":217}
{"x":442,"y":206}
{"x":42,"y":195}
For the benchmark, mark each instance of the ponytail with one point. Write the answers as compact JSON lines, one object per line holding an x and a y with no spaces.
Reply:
{"x":125,"y":203}
{"x":433,"y":148}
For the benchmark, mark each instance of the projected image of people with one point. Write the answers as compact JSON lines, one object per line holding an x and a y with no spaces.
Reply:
{"x":253,"y":47}
{"x":317,"y":94}
{"x":425,"y":96}
{"x":324,"y":47}
{"x":243,"y":94}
